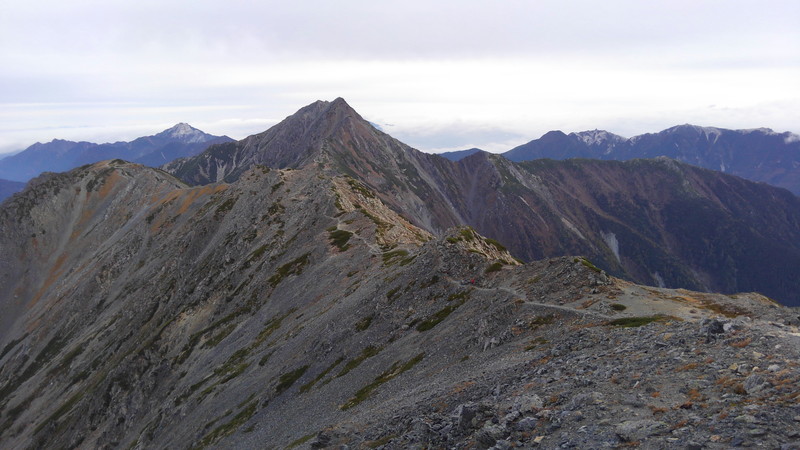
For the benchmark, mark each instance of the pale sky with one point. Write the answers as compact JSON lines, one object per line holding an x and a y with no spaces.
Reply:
{"x":438,"y":75}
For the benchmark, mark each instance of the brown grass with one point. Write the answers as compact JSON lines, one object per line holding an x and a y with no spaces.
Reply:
{"x":742,"y":343}
{"x":687,"y":367}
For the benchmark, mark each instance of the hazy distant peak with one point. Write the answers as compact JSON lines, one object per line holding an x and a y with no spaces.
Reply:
{"x":186,"y":133}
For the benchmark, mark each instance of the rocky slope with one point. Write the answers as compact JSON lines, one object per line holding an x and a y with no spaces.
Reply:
{"x":293,"y":308}
{"x":759,"y":154}
{"x":59,"y":155}
{"x":654,"y":222}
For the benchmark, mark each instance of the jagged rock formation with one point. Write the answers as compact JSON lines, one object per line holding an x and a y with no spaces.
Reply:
{"x":759,"y":154}
{"x":294,"y":308}
{"x":655,"y":222}
{"x":59,"y":155}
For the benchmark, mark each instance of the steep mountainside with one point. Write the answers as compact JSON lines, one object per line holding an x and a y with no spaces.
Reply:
{"x":7,"y":188}
{"x":758,"y":155}
{"x":294,"y":308}
{"x":59,"y":155}
{"x":653,"y":222}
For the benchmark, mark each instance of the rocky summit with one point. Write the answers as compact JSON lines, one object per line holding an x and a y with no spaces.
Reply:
{"x":294,"y":307}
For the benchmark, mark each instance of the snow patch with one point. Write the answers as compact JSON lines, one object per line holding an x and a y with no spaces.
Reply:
{"x":712,"y":133}
{"x":572,"y":228}
{"x":659,"y":281}
{"x":186,"y":133}
{"x":596,"y":137}
{"x":612,"y":242}
{"x":791,"y":138}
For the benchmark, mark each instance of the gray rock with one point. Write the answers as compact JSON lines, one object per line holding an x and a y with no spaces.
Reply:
{"x":583,"y":400}
{"x":502,"y":445}
{"x":755,"y":383}
{"x":526,"y":424}
{"x":464,"y":414}
{"x":635,"y":430}
{"x":490,"y":434}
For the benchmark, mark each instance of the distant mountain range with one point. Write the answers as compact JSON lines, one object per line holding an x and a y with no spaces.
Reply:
{"x":60,"y":155}
{"x":758,"y":154}
{"x":7,"y":188}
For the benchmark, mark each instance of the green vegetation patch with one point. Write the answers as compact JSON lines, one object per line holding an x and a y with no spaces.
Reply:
{"x":233,"y":367}
{"x":67,"y":360}
{"x":364,"y":323}
{"x":11,"y":345}
{"x":228,"y":428}
{"x":496,"y":244}
{"x":389,"y":256}
{"x":63,"y":409}
{"x":360,"y":188}
{"x":459,"y":296}
{"x":294,"y":267}
{"x":618,"y":307}
{"x":276,"y":208}
{"x":494,"y":267}
{"x":270,"y":327}
{"x":632,"y":322}
{"x":543,"y":320}
{"x":535,"y":343}
{"x":467,"y":234}
{"x":368,"y":352}
{"x":339,"y":238}
{"x":392,"y":293}
{"x":300,"y":441}
{"x":434,"y":279}
{"x":287,"y":380}
{"x":440,"y":315}
{"x":216,"y":339}
{"x":397,"y":256}
{"x":223,"y":208}
{"x":380,"y":225}
{"x":587,"y":264}
{"x":258,"y":253}
{"x":394,"y":371}
{"x":54,"y":345}
{"x":307,"y":387}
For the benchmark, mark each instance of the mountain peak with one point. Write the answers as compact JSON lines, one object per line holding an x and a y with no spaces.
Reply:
{"x":598,"y":137}
{"x":185,"y":133}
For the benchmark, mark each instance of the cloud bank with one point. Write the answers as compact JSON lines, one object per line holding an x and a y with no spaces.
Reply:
{"x":444,"y":74}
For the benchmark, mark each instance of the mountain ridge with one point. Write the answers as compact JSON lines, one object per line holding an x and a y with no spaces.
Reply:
{"x":758,"y":154}
{"x":503,"y":200}
{"x":60,"y":155}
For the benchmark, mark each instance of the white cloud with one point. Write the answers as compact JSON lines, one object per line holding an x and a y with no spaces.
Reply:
{"x":430,"y":68}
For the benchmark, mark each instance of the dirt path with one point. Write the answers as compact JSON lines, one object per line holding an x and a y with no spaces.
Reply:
{"x":527,"y":301}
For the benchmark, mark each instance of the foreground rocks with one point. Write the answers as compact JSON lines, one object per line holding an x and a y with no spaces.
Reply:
{"x":663,"y":385}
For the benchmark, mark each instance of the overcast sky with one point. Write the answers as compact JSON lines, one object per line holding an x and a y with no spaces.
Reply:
{"x":439,"y":75}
